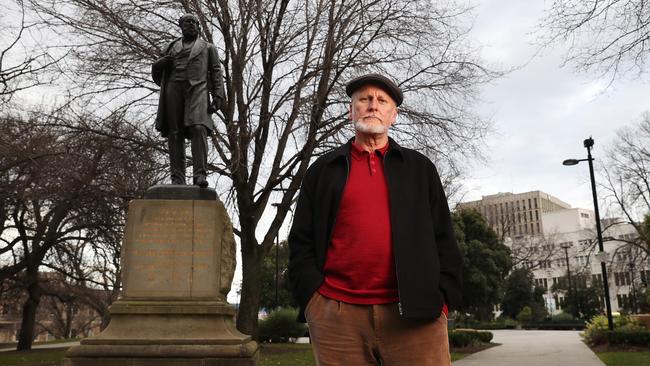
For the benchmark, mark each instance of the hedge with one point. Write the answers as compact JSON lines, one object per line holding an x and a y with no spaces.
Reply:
{"x":468,"y":337}
{"x":630,"y":338}
{"x":281,"y":326}
{"x":555,"y":325}
{"x":627,"y":331}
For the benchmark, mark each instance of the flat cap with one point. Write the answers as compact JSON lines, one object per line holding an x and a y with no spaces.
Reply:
{"x":187,"y":16}
{"x":379,"y":80}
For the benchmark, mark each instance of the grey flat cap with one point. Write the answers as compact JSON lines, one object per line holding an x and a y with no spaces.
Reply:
{"x":379,"y":80}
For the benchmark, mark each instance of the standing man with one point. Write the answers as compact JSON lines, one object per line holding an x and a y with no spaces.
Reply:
{"x":188,"y":72}
{"x":374,"y":261}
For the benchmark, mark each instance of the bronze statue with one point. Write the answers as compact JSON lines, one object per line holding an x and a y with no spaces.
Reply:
{"x":188,"y":73}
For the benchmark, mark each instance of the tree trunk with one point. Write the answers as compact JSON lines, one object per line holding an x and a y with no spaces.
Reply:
{"x":34,"y":292}
{"x":105,"y":319}
{"x":251,"y":286}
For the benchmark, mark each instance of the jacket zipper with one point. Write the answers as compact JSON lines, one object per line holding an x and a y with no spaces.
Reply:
{"x":399,"y":295}
{"x":338,"y":204}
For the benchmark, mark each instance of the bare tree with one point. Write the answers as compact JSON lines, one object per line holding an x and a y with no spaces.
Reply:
{"x":64,"y":314}
{"x":24,"y":64}
{"x":57,"y":185}
{"x":533,"y":252}
{"x":626,"y":182}
{"x":608,"y":36}
{"x":286,"y":63}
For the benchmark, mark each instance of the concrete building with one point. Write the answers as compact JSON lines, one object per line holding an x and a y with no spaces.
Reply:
{"x":570,"y":238}
{"x":516,"y":214}
{"x":543,"y":233}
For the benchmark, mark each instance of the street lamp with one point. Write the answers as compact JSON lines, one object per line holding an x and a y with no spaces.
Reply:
{"x":633,"y":297}
{"x":566,"y":246}
{"x":277,"y":256}
{"x":588,"y":144}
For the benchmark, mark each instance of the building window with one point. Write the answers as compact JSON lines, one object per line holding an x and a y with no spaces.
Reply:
{"x":597,"y":280}
{"x":645,"y":277}
{"x":622,"y":279}
{"x":535,"y":202}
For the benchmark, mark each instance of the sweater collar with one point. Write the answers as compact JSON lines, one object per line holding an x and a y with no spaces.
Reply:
{"x":344,"y":150}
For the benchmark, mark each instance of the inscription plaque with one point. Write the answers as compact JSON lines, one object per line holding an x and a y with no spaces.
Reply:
{"x":171,"y":250}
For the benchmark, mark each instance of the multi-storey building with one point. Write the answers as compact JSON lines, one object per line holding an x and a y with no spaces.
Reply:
{"x":516,"y":214}
{"x":559,"y":235}
{"x":571,"y":241}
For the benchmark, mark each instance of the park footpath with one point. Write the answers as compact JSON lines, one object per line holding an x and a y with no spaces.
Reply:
{"x":534,"y":348}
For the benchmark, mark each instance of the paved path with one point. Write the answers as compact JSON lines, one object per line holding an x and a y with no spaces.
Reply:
{"x":534,"y":348}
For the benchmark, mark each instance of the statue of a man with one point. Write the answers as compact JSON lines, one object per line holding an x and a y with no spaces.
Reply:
{"x":188,"y":73}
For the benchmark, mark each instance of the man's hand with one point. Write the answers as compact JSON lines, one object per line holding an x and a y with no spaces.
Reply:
{"x":164,"y":62}
{"x":217,"y":105}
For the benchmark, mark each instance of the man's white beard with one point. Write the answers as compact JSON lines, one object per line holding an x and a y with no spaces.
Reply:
{"x":370,"y":128}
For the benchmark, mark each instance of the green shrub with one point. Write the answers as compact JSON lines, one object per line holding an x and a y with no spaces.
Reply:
{"x":460,"y":338}
{"x":468,"y":337}
{"x":628,"y":337}
{"x":485,"y":337}
{"x":525,"y":315}
{"x":499,"y":323}
{"x":510,"y":323}
{"x":562,"y":318}
{"x":551,"y":325}
{"x":280,"y":326}
{"x":597,"y":331}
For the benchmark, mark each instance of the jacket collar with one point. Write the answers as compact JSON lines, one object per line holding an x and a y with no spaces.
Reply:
{"x":197,"y":47}
{"x":343,"y":151}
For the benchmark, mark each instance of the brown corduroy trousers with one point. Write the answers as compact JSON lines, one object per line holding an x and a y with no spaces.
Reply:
{"x":345,"y":334}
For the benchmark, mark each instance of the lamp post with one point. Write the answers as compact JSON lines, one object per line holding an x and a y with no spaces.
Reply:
{"x":277,"y":257}
{"x":566,"y":247}
{"x":633,"y":297}
{"x":588,"y":144}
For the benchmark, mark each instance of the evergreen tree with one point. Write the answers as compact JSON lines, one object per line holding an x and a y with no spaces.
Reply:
{"x":486,"y":263}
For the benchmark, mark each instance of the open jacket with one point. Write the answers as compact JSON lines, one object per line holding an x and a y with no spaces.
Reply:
{"x":428,"y":262}
{"x":205,"y":78}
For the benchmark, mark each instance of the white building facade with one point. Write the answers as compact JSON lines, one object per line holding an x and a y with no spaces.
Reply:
{"x":570,"y":238}
{"x":558,"y":234}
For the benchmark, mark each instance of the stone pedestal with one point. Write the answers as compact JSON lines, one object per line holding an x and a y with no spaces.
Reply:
{"x":178,"y":260}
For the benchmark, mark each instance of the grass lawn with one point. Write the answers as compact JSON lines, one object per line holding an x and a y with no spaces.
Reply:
{"x":625,"y":358}
{"x":621,"y":356}
{"x":302,"y":355}
{"x":36,"y":357}
{"x":270,"y":355}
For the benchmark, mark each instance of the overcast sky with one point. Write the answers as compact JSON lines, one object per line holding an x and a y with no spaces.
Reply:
{"x":542,"y":112}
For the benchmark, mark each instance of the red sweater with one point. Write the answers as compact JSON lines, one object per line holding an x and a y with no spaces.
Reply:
{"x":360,"y":268}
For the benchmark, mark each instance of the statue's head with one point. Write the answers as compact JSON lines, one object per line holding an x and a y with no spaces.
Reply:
{"x":189,"y":24}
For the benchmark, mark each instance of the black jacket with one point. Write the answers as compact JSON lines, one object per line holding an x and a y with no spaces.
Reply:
{"x":427,"y":260}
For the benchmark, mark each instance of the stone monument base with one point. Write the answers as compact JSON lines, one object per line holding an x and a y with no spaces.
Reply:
{"x":178,"y":261}
{"x":168,"y":333}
